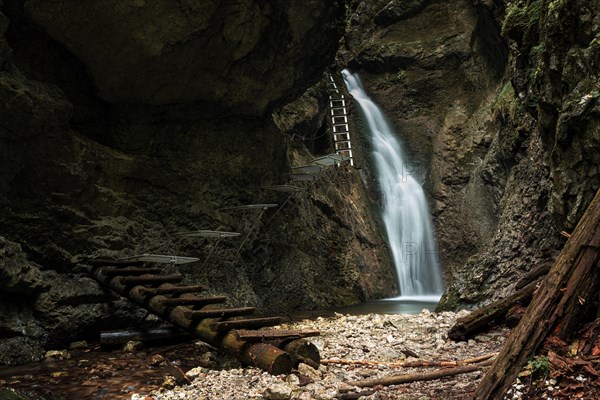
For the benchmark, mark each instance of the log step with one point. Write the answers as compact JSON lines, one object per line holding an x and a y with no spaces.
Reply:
{"x":193,"y":301}
{"x":151,"y":279}
{"x":274,"y":334}
{"x":223,"y":313}
{"x":129,"y":271}
{"x":226,"y":326}
{"x":172,"y":290}
{"x":123,"y":336}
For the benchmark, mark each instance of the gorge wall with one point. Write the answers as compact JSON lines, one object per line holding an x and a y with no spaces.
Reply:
{"x":497,"y":106}
{"x":125,"y":122}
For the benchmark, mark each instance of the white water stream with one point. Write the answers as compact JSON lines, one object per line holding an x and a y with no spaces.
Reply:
{"x":405,"y":212}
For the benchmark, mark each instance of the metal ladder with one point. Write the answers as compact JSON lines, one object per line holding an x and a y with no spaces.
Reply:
{"x":339,"y":120}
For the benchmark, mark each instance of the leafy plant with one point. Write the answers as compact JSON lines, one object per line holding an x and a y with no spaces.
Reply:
{"x":539,"y":365}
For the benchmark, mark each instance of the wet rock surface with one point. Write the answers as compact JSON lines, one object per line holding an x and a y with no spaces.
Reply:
{"x":239,"y":56}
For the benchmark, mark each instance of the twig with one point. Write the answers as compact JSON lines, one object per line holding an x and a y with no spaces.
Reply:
{"x":411,"y":364}
{"x":423,"y":376}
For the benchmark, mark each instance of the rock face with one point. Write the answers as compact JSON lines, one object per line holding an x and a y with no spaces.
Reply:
{"x":124,"y":123}
{"x":557,"y":77}
{"x":497,"y":107}
{"x":239,"y":56}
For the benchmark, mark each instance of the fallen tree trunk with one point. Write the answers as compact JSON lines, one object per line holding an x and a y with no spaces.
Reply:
{"x":535,"y":274}
{"x":566,"y":298}
{"x":492,"y":314}
{"x":420,"y":376}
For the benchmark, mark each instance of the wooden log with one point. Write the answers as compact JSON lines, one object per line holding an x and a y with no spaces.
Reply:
{"x":275,"y":360}
{"x":420,"y":376}
{"x":171,"y":289}
{"x":150,"y":279}
{"x":303,"y":351}
{"x":110,"y":272}
{"x":534,"y":275}
{"x":270,"y":358}
{"x":494,"y":313}
{"x":191,"y":300}
{"x":218,"y":313}
{"x":274,"y":334}
{"x":226,"y":326}
{"x":566,"y":296}
{"x":262,"y":355}
{"x":125,"y":335}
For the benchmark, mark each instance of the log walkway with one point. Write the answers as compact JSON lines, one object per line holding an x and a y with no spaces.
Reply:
{"x":276,"y":351}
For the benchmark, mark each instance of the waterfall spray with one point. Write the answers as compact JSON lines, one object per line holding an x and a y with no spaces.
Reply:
{"x":405,"y":212}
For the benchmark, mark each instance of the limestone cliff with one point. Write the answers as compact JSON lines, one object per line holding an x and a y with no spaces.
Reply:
{"x":125,"y":122}
{"x":496,"y":105}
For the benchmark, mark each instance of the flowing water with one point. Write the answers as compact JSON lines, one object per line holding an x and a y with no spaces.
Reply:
{"x":405,"y":212}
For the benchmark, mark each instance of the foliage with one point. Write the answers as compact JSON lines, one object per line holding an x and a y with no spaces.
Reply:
{"x":522,"y":16}
{"x":539,"y":365}
{"x":505,"y":105}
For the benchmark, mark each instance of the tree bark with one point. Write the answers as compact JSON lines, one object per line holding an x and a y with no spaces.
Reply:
{"x":492,"y":314}
{"x":535,"y":274}
{"x":568,"y":294}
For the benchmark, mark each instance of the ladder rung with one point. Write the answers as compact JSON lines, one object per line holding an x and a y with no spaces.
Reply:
{"x":223,"y":313}
{"x":225,"y":326}
{"x":342,"y":119}
{"x":340,"y":128}
{"x":343,"y":145}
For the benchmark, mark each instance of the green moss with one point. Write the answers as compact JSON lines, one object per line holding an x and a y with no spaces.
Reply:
{"x":555,"y":8}
{"x":505,"y":104}
{"x":522,"y":16}
{"x":449,"y":301}
{"x":400,"y":76}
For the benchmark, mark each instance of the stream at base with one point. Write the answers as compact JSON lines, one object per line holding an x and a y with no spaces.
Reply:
{"x":395,"y":305}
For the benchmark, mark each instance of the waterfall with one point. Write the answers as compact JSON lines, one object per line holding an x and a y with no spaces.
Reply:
{"x":405,"y":212}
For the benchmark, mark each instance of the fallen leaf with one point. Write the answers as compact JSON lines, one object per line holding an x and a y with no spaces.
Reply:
{"x":590,"y":370}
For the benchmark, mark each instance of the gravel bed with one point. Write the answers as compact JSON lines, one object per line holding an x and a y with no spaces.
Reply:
{"x":372,"y":337}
